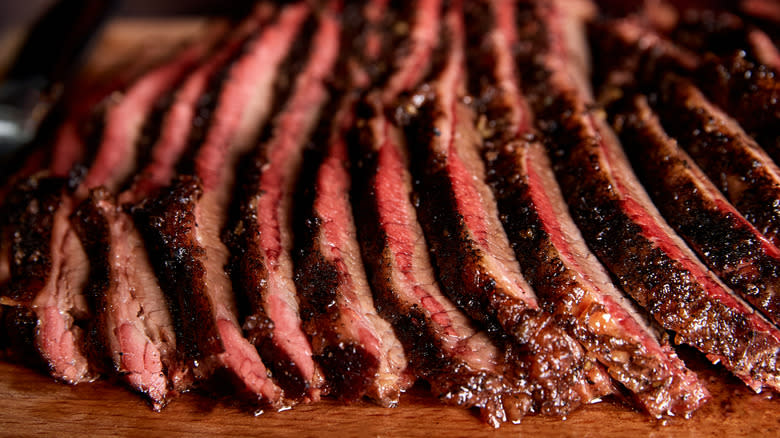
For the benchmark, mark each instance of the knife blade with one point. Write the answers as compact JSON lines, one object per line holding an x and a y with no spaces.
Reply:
{"x":54,"y":48}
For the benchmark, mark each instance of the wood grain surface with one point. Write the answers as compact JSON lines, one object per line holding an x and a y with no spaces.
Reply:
{"x":31,"y":404}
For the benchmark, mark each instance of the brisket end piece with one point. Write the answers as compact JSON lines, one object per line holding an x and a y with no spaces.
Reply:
{"x":475,"y":264}
{"x":722,"y":237}
{"x":262,"y":240}
{"x":461,"y":364}
{"x":730,"y":158}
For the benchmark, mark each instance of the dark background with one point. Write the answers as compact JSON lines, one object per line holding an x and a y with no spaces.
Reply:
{"x":15,"y":13}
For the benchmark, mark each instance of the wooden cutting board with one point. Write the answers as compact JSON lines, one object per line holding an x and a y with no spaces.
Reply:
{"x":31,"y":404}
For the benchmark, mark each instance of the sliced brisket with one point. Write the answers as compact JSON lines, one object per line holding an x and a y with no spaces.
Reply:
{"x":358,"y":349}
{"x":133,"y":323}
{"x":262,"y":239}
{"x":731,"y":159}
{"x":623,"y":228}
{"x":475,"y":264}
{"x":567,"y":277}
{"x":461,"y":364}
{"x":722,"y":237}
{"x":184,"y":222}
{"x":45,"y":236}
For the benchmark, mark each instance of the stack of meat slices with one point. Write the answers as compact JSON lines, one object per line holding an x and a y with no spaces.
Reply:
{"x":337,"y":199}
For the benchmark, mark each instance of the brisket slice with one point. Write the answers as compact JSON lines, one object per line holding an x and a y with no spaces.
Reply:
{"x":475,"y":264}
{"x":748,"y":92}
{"x":262,"y":240}
{"x":731,"y":159}
{"x":183,"y":222}
{"x":722,"y":237}
{"x":566,"y":276}
{"x":131,"y":326}
{"x":48,"y":272}
{"x":461,"y":364}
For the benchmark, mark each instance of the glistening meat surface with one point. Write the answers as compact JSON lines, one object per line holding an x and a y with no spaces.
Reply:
{"x":476,"y":266}
{"x":730,"y":158}
{"x":566,"y":276}
{"x":723,"y":238}
{"x":650,"y":263}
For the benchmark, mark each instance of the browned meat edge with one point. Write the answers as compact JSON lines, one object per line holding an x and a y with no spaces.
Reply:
{"x":748,"y":92}
{"x":722,"y":237}
{"x":731,"y":159}
{"x":568,"y":279}
{"x":624,"y":229}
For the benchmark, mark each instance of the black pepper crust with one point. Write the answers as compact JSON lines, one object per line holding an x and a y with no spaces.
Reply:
{"x":547,"y":357}
{"x":749,"y":92}
{"x":92,"y":228}
{"x":657,"y":281}
{"x":724,"y":240}
{"x":724,"y":152}
{"x":30,"y":209}
{"x":167,"y":222}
